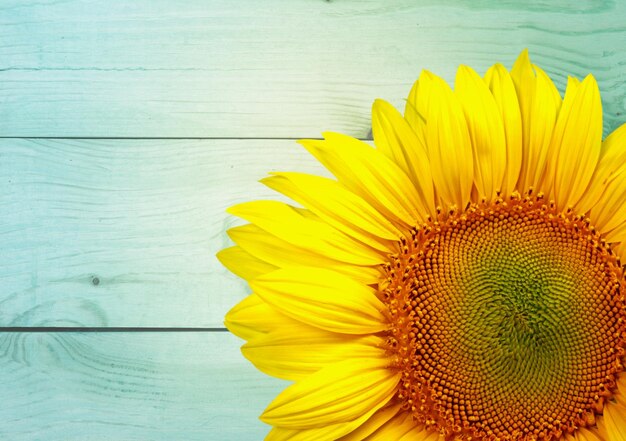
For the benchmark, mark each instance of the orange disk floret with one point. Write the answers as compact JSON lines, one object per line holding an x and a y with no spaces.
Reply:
{"x":509,"y":321}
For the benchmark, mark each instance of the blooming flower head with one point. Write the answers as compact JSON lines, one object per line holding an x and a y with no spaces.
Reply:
{"x":461,"y":280}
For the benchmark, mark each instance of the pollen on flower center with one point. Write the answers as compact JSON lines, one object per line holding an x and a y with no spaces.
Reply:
{"x":509,"y":321}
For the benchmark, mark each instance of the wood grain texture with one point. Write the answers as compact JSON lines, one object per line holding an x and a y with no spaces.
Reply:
{"x":274,"y":68}
{"x":130,"y":386}
{"x":124,"y":232}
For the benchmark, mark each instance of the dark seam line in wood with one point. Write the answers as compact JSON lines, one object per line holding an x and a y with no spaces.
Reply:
{"x":104,"y":329}
{"x":170,"y":138}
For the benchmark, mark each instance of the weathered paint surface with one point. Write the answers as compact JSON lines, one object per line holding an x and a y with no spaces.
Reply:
{"x":126,"y":130}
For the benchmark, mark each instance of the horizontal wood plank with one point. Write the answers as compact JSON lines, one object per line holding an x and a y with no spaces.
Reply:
{"x":124,"y":232}
{"x":274,"y":68}
{"x":130,"y":386}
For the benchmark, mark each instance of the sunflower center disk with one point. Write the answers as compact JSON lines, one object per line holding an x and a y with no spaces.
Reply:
{"x":509,"y":322}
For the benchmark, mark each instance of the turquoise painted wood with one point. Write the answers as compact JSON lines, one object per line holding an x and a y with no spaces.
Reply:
{"x":273,"y":68}
{"x":122,"y":232}
{"x":129,"y":386}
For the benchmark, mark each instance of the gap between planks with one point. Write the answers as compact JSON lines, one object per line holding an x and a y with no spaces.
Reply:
{"x":35,"y":329}
{"x":170,"y":138}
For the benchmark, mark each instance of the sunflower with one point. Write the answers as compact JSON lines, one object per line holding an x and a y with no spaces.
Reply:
{"x":461,"y":280}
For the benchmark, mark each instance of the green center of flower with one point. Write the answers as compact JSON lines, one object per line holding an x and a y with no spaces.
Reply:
{"x":510,"y":321}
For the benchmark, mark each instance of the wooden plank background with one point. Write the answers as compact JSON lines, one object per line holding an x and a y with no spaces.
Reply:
{"x":126,"y":129}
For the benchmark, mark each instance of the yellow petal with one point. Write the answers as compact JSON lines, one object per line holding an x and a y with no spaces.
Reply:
{"x":293,"y":353}
{"x":283,"y":221}
{"x":619,"y":248}
{"x":329,"y":432}
{"x":524,"y":81}
{"x":612,"y":162}
{"x":613,"y":154}
{"x":573,"y":82}
{"x":419,"y":433}
{"x":415,"y":111}
{"x":370,"y":174}
{"x":609,"y":212}
{"x":613,"y":423}
{"x":555,"y":144}
{"x":398,"y":141}
{"x":448,"y":143}
{"x":368,"y":427}
{"x":394,"y":142}
{"x":621,"y":387}
{"x":576,"y":142}
{"x":337,"y":206}
{"x":396,"y":428}
{"x":252,"y":318}
{"x":486,"y":132}
{"x":551,"y":90}
{"x":338,"y":393}
{"x":323,"y":298}
{"x":539,"y":103}
{"x":243,"y":264}
{"x":503,"y":90}
{"x":584,"y":434}
{"x":546,"y":105}
{"x":620,"y":392}
{"x":282,"y":254}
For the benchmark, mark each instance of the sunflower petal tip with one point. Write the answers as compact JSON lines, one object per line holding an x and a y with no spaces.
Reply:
{"x":264,"y":419}
{"x":572,"y":79}
{"x":306,"y":142}
{"x":238,"y":210}
{"x":232,"y":210}
{"x":377,"y":106}
{"x":591,"y":79}
{"x":500,"y":70}
{"x":228,"y":318}
{"x":381,"y":106}
{"x":465,"y":73}
{"x":426,"y":74}
{"x":330,"y":134}
{"x":245,"y":350}
{"x":220,"y":255}
{"x":311,"y":145}
{"x":269,"y":178}
{"x":524,"y":54}
{"x":267,"y":416}
{"x":523,"y":61}
{"x":226,"y":322}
